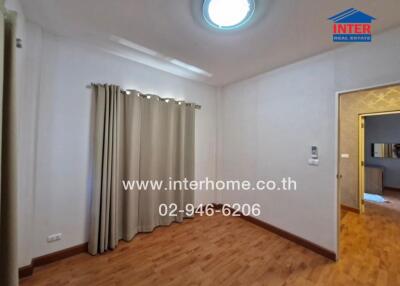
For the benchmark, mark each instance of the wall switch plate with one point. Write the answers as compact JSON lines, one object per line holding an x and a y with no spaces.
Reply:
{"x":313,"y":162}
{"x":345,"y":156}
{"x":54,"y":237}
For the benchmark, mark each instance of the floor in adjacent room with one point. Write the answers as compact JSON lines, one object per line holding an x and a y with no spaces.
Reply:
{"x":392,"y":199}
{"x":231,"y":251}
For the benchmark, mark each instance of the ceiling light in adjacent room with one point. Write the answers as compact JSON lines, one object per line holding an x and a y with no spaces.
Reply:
{"x":228,"y":14}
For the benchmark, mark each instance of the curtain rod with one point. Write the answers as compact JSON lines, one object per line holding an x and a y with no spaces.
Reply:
{"x":130,"y":91}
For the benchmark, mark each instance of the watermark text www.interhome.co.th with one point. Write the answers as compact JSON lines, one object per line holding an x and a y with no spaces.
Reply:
{"x":285,"y":184}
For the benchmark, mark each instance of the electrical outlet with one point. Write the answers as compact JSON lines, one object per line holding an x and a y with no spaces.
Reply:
{"x":54,"y":237}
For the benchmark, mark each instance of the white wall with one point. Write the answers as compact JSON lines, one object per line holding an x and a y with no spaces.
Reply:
{"x":383,"y":129}
{"x":61,"y":192}
{"x":267,"y":125}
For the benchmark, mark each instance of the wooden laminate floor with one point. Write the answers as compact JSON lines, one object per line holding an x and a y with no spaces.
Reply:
{"x":230,"y":251}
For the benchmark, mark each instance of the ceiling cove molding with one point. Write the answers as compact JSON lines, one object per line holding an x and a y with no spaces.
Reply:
{"x":129,"y":50}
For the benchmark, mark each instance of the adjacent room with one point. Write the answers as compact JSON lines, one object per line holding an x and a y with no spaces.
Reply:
{"x":199,"y":142}
{"x":382,"y":164}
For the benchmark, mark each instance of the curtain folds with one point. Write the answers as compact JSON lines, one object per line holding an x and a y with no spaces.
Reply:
{"x":8,"y":143}
{"x":142,"y":139}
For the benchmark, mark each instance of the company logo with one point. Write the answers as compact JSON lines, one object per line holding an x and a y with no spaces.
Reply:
{"x":352,"y":25}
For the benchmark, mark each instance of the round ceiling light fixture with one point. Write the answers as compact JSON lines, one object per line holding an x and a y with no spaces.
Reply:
{"x":228,"y":14}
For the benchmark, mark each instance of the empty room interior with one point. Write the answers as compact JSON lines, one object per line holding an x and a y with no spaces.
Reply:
{"x":200,"y":142}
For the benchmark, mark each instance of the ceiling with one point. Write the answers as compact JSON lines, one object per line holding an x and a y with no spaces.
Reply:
{"x":282,"y":32}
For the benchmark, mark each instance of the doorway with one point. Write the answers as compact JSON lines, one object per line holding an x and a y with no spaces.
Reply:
{"x":379,"y":159}
{"x":353,"y":109}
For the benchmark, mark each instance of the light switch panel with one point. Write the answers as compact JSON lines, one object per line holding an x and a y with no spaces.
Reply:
{"x":313,"y":162}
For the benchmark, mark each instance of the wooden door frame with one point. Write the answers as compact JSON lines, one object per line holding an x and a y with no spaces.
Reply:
{"x":337,"y":157}
{"x":361,"y":162}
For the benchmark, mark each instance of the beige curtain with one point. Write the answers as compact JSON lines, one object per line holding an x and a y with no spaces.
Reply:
{"x":167,"y":153}
{"x":137,"y":138}
{"x":8,"y":143}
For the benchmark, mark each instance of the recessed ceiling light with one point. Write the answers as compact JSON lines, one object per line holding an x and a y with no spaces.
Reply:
{"x":227,"y":14}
